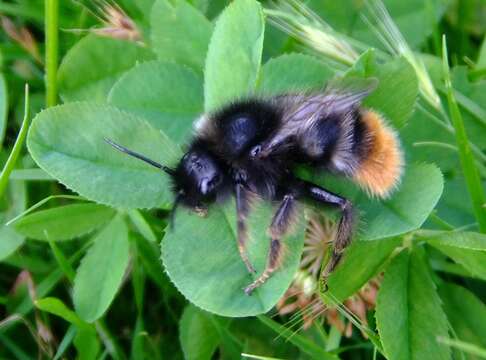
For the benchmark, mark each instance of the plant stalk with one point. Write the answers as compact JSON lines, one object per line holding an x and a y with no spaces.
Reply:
{"x":52,"y":50}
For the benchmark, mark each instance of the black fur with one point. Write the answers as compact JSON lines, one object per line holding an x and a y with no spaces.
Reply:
{"x":360,"y":144}
{"x":234,"y":153}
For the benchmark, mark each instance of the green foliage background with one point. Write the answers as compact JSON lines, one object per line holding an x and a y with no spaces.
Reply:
{"x":88,"y":267}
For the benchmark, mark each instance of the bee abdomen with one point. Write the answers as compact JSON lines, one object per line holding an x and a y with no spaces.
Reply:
{"x":380,"y":167}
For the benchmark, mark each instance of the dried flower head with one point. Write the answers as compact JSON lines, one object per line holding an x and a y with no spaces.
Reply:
{"x":320,"y":233}
{"x":302,"y":299}
{"x":115,"y":22}
{"x":22,"y":36}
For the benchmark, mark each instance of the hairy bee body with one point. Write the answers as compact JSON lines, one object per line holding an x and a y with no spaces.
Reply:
{"x":298,"y":129}
{"x":251,"y":147}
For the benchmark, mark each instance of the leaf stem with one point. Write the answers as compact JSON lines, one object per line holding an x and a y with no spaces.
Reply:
{"x":12,"y":159}
{"x":52,"y":50}
{"x":473,"y":182}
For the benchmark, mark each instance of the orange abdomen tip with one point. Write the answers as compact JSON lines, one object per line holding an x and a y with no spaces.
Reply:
{"x":381,"y":168}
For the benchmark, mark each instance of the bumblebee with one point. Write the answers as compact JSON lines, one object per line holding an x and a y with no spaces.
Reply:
{"x":251,"y":147}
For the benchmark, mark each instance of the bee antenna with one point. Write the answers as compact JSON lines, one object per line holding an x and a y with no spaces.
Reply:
{"x":123,"y":149}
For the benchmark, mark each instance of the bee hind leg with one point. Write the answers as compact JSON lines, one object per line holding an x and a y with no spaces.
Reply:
{"x":280,"y":224}
{"x":345,"y":227}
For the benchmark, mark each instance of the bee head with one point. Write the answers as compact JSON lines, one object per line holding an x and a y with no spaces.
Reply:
{"x":197,"y":179}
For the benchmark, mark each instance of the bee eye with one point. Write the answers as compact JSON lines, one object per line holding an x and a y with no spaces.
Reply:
{"x":198,"y":165}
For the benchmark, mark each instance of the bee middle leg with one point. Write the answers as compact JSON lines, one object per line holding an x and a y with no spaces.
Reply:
{"x":242,"y":209}
{"x":280,"y":224}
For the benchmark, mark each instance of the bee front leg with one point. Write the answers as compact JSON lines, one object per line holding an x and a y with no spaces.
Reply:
{"x":345,"y":227}
{"x":242,"y":209}
{"x":280,"y":224}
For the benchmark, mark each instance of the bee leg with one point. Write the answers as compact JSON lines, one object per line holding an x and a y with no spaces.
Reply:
{"x":280,"y":224}
{"x":345,"y":228}
{"x":242,"y":208}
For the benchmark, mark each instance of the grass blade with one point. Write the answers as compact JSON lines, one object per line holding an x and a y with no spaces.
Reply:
{"x":473,"y":182}
{"x":307,"y":346}
{"x":12,"y":159}
{"x":65,"y":342}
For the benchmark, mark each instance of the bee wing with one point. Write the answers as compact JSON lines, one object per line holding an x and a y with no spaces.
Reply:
{"x":303,"y":111}
{"x":339,"y":96}
{"x":342,"y":94}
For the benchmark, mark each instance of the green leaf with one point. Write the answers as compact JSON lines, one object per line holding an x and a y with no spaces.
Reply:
{"x":279,"y":74}
{"x":101,"y":271}
{"x":64,"y":222}
{"x":3,"y":107}
{"x":457,"y":239}
{"x":30,"y":175}
{"x":142,"y":226}
{"x":421,"y":129}
{"x":465,"y":248}
{"x":87,"y":345}
{"x":180,"y":33}
{"x":57,"y":307}
{"x":397,"y":88}
{"x":92,"y":66}
{"x":197,"y":334}
{"x":86,"y":340}
{"x":234,"y":54}
{"x":204,"y":251}
{"x":358,"y":267}
{"x":465,"y":312}
{"x":452,"y":207}
{"x":407,"y":209}
{"x":169,"y":96}
{"x":409,"y":314}
{"x":68,"y":143}
{"x":10,"y":240}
